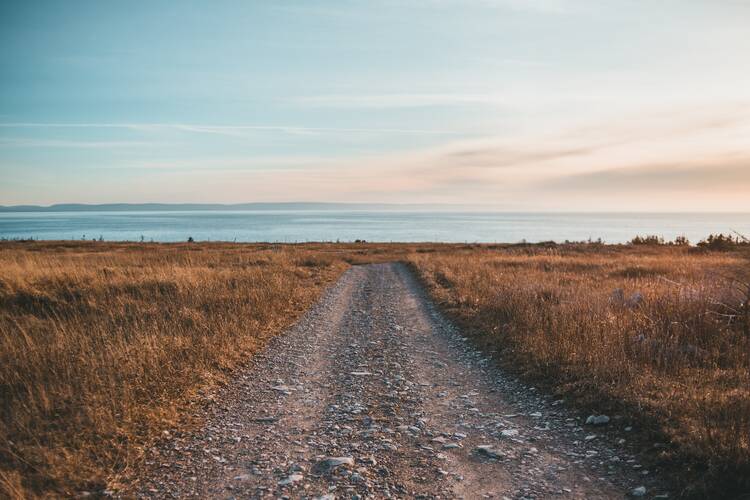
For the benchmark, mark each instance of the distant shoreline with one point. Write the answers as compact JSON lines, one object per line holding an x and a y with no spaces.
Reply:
{"x":187,"y":207}
{"x":312,"y":206}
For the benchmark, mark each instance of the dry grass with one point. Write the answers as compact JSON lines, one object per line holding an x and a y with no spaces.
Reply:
{"x":102,"y":345}
{"x":677,"y":360}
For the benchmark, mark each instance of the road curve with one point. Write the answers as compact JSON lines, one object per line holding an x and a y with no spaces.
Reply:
{"x":374,"y":395}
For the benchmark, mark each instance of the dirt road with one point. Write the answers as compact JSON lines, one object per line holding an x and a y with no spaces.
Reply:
{"x":372,"y":394}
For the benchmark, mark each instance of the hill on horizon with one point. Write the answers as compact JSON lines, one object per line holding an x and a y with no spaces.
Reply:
{"x":135,"y":207}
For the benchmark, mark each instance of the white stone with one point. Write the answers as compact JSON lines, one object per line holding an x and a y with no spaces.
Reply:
{"x":597,"y":420}
{"x":639,"y":491}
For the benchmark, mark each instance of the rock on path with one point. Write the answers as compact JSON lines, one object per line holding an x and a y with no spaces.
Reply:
{"x":374,"y":395}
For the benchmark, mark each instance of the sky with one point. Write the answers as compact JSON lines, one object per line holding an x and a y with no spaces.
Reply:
{"x":519,"y":105}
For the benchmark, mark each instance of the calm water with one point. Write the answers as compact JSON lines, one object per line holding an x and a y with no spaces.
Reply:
{"x":300,"y":226}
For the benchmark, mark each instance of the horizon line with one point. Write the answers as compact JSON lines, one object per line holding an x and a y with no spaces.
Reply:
{"x":83,"y":206}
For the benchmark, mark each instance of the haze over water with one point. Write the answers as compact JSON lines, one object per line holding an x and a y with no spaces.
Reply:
{"x":378,"y":226}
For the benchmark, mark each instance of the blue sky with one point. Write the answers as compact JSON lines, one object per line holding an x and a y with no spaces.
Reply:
{"x":518,"y":105}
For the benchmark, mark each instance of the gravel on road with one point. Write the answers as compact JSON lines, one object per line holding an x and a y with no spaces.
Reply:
{"x":373,"y":394}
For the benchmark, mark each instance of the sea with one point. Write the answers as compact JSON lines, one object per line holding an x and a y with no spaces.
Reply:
{"x":290,"y":226}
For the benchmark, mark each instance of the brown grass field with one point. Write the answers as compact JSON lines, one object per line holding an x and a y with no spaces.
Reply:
{"x":674,"y":359}
{"x":103,"y":345}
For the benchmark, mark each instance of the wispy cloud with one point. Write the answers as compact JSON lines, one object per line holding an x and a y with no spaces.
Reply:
{"x":398,"y":100}
{"x":224,"y":129}
{"x":653,"y":138}
{"x":680,"y":155}
{"x":226,"y":164}
{"x":731,"y":174}
{"x":64,"y":144}
{"x":629,"y":157}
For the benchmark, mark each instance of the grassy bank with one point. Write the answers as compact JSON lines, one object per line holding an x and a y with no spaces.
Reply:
{"x":657,"y":334}
{"x":101,"y":346}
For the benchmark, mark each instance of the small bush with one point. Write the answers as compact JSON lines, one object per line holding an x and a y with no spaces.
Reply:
{"x":647,"y":240}
{"x":721,"y":242}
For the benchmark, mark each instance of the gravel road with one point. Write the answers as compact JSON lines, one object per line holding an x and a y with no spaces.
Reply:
{"x":374,"y":395}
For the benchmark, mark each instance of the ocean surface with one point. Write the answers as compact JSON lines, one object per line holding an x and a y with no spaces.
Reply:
{"x":380,"y":226}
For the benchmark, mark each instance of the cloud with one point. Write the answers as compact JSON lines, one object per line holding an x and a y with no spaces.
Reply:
{"x":609,"y":164}
{"x":667,"y":153}
{"x":505,"y":157}
{"x":224,"y":129}
{"x":225,"y":164}
{"x":52,"y":143}
{"x":400,"y":100}
{"x":675,"y":159}
{"x":730,"y":174}
{"x":667,"y":137}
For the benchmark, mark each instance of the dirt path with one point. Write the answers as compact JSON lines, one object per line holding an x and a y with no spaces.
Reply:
{"x":372,"y":394}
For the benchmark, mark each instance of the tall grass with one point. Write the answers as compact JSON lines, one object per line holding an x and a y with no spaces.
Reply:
{"x":656,"y":333}
{"x":102,"y":345}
